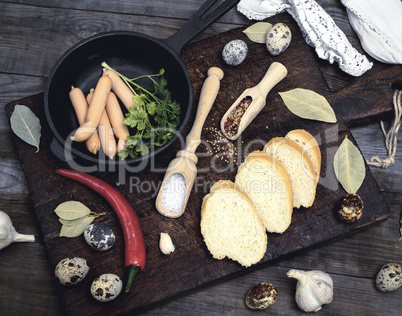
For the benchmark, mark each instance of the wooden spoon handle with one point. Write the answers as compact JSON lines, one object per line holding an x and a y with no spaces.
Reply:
{"x":275,"y":73}
{"x":208,"y":95}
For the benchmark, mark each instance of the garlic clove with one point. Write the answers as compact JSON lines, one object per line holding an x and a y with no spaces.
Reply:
{"x":313,"y":289}
{"x":166,"y":244}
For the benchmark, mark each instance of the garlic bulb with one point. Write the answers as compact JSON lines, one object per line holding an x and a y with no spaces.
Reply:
{"x":166,"y":244}
{"x":313,"y":289}
{"x":8,"y":234}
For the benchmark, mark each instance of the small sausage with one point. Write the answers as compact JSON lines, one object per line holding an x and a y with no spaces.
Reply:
{"x":80,"y":104}
{"x":116,"y":119}
{"x":106,"y":136}
{"x":120,"y":88}
{"x":93,"y":142}
{"x":95,"y":110}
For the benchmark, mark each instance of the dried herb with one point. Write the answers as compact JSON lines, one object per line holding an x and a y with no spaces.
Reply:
{"x":349,"y":166}
{"x":155,"y":118}
{"x":26,"y":125}
{"x":71,"y":210}
{"x":258,"y":31}
{"x":308,"y":104}
{"x":75,"y":217}
{"x":75,"y":222}
{"x":78,"y":228}
{"x":231,"y":125}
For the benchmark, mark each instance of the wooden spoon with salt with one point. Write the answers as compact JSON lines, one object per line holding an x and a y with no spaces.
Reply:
{"x":257,"y":96}
{"x":181,"y":172}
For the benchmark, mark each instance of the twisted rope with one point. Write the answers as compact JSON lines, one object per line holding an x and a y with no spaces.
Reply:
{"x":391,"y":138}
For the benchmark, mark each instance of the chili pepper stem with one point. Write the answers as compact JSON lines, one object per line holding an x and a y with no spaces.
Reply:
{"x":132,"y":272}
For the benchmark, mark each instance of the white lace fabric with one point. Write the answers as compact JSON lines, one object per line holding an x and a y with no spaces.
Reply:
{"x":379,"y":27}
{"x":318,"y":28}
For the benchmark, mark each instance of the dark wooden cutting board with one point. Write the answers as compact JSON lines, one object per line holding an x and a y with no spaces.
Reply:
{"x":191,"y":265}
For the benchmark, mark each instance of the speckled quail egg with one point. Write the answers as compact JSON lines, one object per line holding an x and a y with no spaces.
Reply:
{"x":351,"y":208}
{"x":261,"y":296}
{"x":99,"y":236}
{"x":71,"y":271}
{"x":278,"y":38}
{"x":234,"y":52}
{"x":389,"y":278}
{"x":106,"y":287}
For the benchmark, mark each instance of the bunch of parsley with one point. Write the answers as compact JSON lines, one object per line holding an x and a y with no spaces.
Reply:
{"x":154,"y":120}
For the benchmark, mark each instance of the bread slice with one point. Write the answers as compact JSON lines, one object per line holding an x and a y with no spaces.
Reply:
{"x":267,"y":183}
{"x":309,"y":145}
{"x":230,"y":225}
{"x":299,"y":166}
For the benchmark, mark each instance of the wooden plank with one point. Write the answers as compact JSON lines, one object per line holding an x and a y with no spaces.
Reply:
{"x":356,"y":104}
{"x":173,"y":9}
{"x":376,"y":245}
{"x":352,"y":262}
{"x":197,"y":266}
{"x":231,"y":297}
{"x":14,"y":87}
{"x":50,"y":36}
{"x":25,"y":257}
{"x":372,"y":143}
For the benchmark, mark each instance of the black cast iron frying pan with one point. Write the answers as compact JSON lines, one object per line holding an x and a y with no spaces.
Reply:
{"x":133,"y":54}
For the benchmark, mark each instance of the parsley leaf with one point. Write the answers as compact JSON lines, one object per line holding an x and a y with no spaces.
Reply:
{"x":154,"y":119}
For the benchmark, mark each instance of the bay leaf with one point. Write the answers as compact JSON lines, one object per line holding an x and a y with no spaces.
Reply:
{"x":349,"y":166}
{"x":309,"y":105}
{"x":78,"y":229}
{"x":71,"y":210}
{"x":258,"y":31}
{"x":73,"y":222}
{"x":26,"y":125}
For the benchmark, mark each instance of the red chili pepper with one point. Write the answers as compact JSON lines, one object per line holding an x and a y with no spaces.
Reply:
{"x":133,"y":239}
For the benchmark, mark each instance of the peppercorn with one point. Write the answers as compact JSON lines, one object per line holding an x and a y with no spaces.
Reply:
{"x":232,"y":123}
{"x":219,"y":146}
{"x":351,"y":208}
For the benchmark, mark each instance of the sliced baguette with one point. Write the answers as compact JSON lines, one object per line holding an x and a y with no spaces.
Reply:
{"x":230,"y":225}
{"x":310,"y":145}
{"x":299,"y":166}
{"x":267,"y":183}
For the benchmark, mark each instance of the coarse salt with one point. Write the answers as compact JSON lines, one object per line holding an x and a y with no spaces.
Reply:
{"x":173,"y":193}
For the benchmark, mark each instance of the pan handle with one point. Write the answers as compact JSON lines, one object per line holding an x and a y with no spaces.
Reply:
{"x":208,"y":13}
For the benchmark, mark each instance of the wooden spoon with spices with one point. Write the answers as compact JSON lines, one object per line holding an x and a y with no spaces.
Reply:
{"x":180,"y":175}
{"x":247,"y":106}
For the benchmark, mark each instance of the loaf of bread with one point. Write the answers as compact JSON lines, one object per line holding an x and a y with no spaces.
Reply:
{"x":230,"y":225}
{"x":309,"y":145}
{"x":299,"y":166}
{"x":267,"y":182}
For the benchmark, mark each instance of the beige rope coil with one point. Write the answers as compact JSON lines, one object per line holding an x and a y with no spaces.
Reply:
{"x":391,"y":138}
